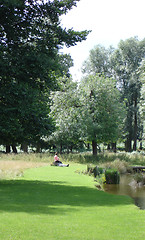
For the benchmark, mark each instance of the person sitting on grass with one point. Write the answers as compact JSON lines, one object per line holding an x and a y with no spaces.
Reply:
{"x":57,"y":162}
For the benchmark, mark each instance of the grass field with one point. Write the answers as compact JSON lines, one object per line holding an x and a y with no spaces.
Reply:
{"x":53,"y":203}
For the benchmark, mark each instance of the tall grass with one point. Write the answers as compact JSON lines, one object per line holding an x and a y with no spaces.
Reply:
{"x":131,"y":158}
{"x":30,"y":157}
{"x":14,"y":164}
{"x":85,"y":158}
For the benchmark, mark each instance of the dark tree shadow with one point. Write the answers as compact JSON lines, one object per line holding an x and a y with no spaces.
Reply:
{"x":50,"y":197}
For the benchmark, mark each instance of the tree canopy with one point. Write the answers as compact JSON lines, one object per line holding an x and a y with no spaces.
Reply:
{"x":30,"y":63}
{"x":122,"y":64}
{"x":39,"y":100}
{"x":88,"y":112}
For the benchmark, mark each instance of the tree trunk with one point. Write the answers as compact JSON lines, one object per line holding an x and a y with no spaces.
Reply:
{"x":67,"y":150}
{"x":8,"y":149}
{"x":38,"y":148}
{"x":140,"y":145}
{"x":108,"y":146}
{"x":60,"y":148}
{"x":128,"y":147}
{"x":129,"y":126}
{"x":14,"y":149}
{"x":94,"y":147}
{"x":24,"y":147}
{"x":114,"y":147}
{"x":71,"y":149}
{"x":88,"y":146}
{"x":135,"y":126}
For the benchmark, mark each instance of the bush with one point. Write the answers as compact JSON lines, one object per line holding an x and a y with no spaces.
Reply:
{"x":96,"y":171}
{"x":112,"y":176}
{"x":140,"y":178}
{"x":120,"y":166}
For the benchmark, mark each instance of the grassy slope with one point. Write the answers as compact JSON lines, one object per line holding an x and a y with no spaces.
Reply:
{"x":58,"y":204}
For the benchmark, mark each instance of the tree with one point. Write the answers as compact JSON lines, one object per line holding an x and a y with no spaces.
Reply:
{"x":98,"y":61}
{"x":102,"y":112}
{"x":126,"y":60}
{"x":66,"y":112}
{"x":87,"y":112}
{"x":122,"y":64}
{"x":24,"y":115}
{"x":142,"y":101}
{"x":66,"y":63}
{"x":30,"y":38}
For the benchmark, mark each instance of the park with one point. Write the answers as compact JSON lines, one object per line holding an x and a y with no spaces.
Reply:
{"x":95,"y":188}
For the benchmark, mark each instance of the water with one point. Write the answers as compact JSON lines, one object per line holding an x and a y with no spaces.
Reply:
{"x":128,"y":187}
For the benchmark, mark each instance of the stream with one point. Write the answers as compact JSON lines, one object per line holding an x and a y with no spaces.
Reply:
{"x":128,"y":187}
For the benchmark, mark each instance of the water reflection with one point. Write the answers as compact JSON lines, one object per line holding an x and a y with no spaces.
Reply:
{"x":128,"y":187}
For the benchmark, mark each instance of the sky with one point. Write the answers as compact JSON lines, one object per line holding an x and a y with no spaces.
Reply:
{"x":110,"y":22}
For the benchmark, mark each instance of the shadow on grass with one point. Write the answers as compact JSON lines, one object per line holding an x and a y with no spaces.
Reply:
{"x":39,"y":197}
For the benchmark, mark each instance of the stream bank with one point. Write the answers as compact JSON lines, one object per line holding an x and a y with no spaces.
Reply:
{"x":128,"y":186}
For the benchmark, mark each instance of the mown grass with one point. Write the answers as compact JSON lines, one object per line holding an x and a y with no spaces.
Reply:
{"x":56,"y":203}
{"x":52,"y":203}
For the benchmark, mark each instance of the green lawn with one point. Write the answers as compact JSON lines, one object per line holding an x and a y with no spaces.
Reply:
{"x":52,"y":203}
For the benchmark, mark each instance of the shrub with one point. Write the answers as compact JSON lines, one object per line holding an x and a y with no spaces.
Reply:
{"x":112,"y":176}
{"x":96,"y":171}
{"x":139,"y":178}
{"x":120,"y":166}
{"x":101,"y":180}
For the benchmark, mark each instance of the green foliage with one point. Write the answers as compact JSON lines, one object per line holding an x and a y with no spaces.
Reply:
{"x":112,"y":176}
{"x":88,"y":112}
{"x":142,"y":102}
{"x":127,"y":59}
{"x":67,"y":116}
{"x":96,"y":171}
{"x":98,"y":61}
{"x":122,"y":64}
{"x":30,"y":63}
{"x":23,"y":116}
{"x":65,"y":62}
{"x":102,"y":112}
